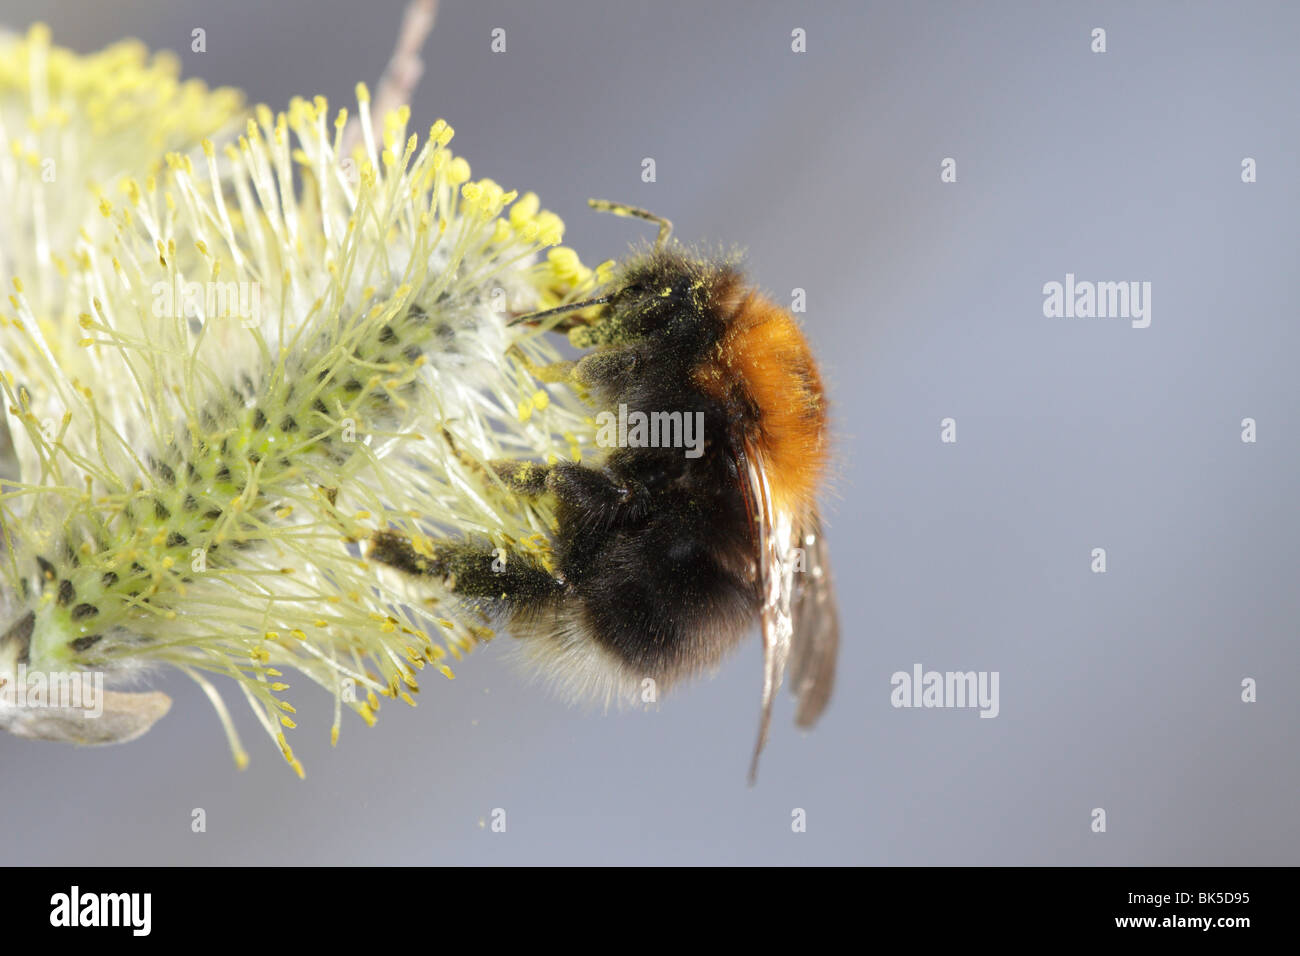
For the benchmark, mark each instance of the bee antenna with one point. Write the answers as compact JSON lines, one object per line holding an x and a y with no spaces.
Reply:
{"x":633,"y":212}
{"x":558,"y":310}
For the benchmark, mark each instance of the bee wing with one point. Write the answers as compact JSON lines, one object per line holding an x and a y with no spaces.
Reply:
{"x":775,"y":535}
{"x":816,"y":634}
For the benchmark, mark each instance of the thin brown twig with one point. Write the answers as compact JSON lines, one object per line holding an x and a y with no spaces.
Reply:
{"x":401,"y":75}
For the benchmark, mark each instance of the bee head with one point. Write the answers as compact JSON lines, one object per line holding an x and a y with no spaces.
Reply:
{"x":671,"y":296}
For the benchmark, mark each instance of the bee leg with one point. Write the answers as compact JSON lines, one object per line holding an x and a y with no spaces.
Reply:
{"x":527,"y":478}
{"x":553,"y":372}
{"x":480,"y":571}
{"x":584,"y":489}
{"x":468,"y":569}
{"x":590,"y":490}
{"x":521,"y":477}
{"x":608,"y":369}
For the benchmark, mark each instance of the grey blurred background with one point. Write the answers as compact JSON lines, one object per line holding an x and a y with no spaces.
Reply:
{"x":1120,"y":690}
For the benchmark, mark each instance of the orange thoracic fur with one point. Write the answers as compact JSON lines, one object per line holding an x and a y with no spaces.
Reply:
{"x":765,"y":352}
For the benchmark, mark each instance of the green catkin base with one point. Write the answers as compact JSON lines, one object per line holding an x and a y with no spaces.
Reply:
{"x":194,"y":504}
{"x":250,"y":453}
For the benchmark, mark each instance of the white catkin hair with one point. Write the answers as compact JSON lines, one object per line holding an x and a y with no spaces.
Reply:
{"x":225,"y":375}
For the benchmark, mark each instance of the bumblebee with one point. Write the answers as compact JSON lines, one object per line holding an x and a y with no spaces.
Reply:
{"x":664,"y":557}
